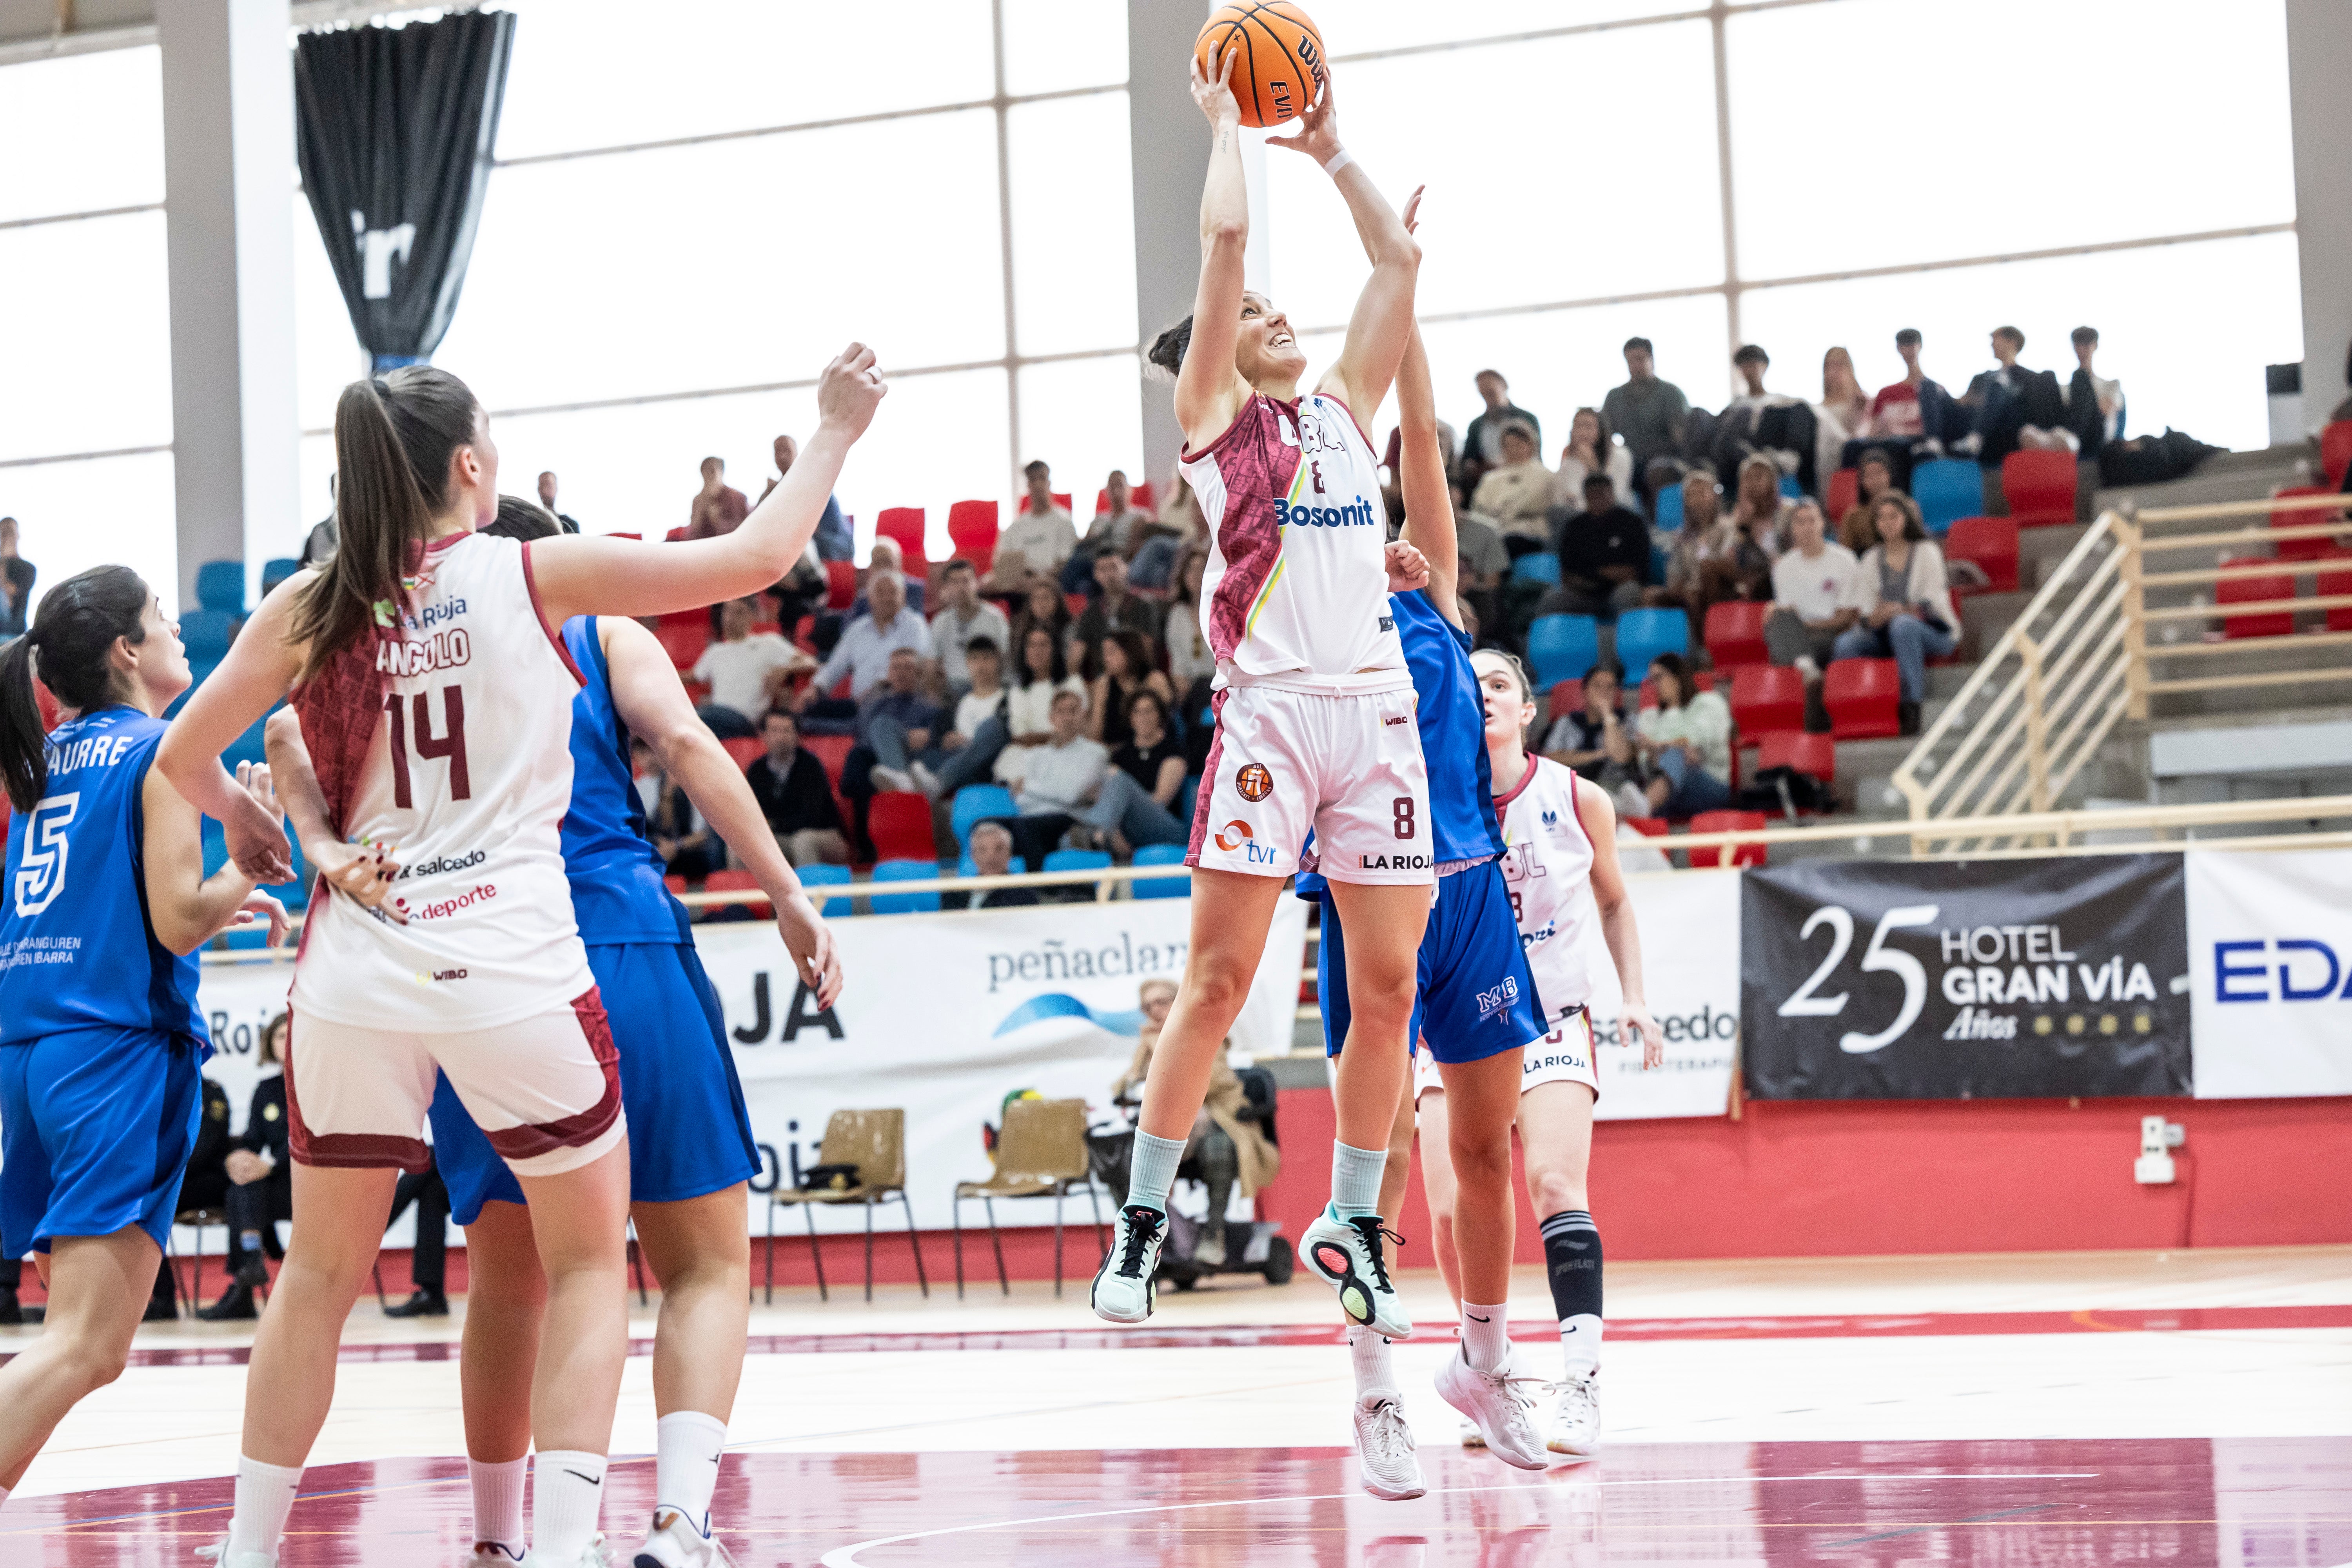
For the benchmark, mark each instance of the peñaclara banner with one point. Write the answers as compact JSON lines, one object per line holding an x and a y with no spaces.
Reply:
{"x":1965,"y":979}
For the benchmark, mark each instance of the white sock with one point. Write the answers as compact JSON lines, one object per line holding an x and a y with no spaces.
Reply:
{"x":497,"y":1503}
{"x":1369,"y":1350}
{"x":1486,"y":1335}
{"x":686,"y":1464}
{"x":1580,"y":1343}
{"x":1355,"y":1180}
{"x":567,"y":1488}
{"x":264,"y":1496}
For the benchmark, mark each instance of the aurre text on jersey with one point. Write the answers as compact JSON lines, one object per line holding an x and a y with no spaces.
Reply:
{"x":422,"y":655}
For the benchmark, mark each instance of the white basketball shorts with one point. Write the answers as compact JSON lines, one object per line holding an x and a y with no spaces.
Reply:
{"x":545,"y":1091}
{"x":1348,"y":767}
{"x":1564,"y":1056}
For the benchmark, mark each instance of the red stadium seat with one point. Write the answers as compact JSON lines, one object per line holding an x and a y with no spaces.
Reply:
{"x":2310,"y":549}
{"x":2252,"y":589}
{"x":1765,"y":698}
{"x":684,"y":637}
{"x":1992,"y":543}
{"x":1647,"y":827}
{"x":2336,"y":452}
{"x":1845,"y":489}
{"x":1812,"y":754}
{"x":674,"y":884}
{"x":1061,"y":499}
{"x":1864,"y":698}
{"x":735,"y":882}
{"x":900,"y":825}
{"x":841,"y":584}
{"x":972,"y":524}
{"x":1728,"y":822}
{"x":2040,"y":487}
{"x":1735,"y":633}
{"x":744,"y":749}
{"x":2337,"y":583}
{"x":805,"y":635}
{"x":903,"y":525}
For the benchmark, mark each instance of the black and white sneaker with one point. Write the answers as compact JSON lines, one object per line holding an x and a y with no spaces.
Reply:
{"x":1348,"y":1256}
{"x":1123,"y":1289}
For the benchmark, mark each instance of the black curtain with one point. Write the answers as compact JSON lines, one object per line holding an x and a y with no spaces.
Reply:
{"x":395,"y":129}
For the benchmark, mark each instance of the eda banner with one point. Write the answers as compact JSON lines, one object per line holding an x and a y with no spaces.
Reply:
{"x":1901,"y":980}
{"x":2270,"y":945}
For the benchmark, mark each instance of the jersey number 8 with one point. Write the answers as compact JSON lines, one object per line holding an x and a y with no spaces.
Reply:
{"x":1402,"y":810}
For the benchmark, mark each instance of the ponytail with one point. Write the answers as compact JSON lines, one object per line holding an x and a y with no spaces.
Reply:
{"x":393,"y":438}
{"x":79,"y":621}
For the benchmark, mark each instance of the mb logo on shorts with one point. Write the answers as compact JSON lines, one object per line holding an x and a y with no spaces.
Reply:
{"x":1255,"y":783}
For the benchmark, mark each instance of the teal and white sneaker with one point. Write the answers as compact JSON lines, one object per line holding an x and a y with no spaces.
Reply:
{"x":1348,"y":1256}
{"x":1123,"y":1287}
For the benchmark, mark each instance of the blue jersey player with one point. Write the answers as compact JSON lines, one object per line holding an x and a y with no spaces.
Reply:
{"x":690,"y":1144}
{"x":101,"y":1038}
{"x":1476,"y":1005}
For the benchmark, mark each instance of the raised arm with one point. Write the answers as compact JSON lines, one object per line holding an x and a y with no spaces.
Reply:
{"x":362,"y":871}
{"x":581,"y":574}
{"x":1618,"y":926}
{"x":260,"y":667}
{"x":1209,"y":390}
{"x":1421,"y":471}
{"x":653,"y":704}
{"x":187,"y":908}
{"x":1383,"y":319}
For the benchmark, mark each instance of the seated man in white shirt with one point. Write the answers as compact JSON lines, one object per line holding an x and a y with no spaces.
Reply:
{"x":863,"y":653}
{"x":1812,"y":585}
{"x":1039,"y":540}
{"x":963,"y":615}
{"x":1062,"y":776}
{"x":745,"y":671}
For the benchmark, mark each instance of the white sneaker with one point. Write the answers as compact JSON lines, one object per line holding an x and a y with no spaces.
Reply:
{"x":1631,"y":801}
{"x":674,"y":1543}
{"x":1499,"y":1403}
{"x":595,"y":1554}
{"x":926,"y":781}
{"x":1471,"y":1436}
{"x":1123,"y":1289}
{"x":219,"y":1555}
{"x":490,"y":1554}
{"x":1576,"y":1424}
{"x":896,"y":780}
{"x":1347,"y":1254}
{"x":1384,"y":1447}
{"x":1210,"y":1251}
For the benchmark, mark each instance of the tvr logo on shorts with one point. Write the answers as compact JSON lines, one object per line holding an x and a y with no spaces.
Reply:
{"x":1236,"y":835}
{"x":1255,"y":783}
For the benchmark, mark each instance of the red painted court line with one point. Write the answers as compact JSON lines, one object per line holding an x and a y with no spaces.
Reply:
{"x":1538,"y":1331}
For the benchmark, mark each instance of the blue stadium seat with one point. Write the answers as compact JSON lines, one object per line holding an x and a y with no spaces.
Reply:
{"x":1537,"y":567}
{"x":246,"y":938}
{"x":975,"y":804}
{"x":220,"y":585}
{"x":1161,"y":887}
{"x":905,"y":871}
{"x":1790,"y":488}
{"x":275,"y":571}
{"x":206,"y":635}
{"x":1562,"y":647}
{"x":1666,"y":508}
{"x":1643,"y":635}
{"x":1077,"y":860}
{"x":1946,"y":489}
{"x":826,"y":877}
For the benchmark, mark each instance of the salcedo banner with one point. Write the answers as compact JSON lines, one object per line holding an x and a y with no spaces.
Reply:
{"x":1689,"y":922}
{"x":2270,"y":967}
{"x":942,"y":1016}
{"x":1926,"y":980}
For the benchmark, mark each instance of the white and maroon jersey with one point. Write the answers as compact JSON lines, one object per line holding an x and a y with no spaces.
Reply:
{"x":1548,"y":866}
{"x":1296,"y":593}
{"x":467,"y":769}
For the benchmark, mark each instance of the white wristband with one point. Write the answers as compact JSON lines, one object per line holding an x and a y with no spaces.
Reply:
{"x":1340,"y":161}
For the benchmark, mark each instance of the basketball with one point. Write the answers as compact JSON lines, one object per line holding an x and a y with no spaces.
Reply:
{"x":1281,"y":69}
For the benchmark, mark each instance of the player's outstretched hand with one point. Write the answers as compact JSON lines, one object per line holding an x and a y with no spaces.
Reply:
{"x":1636,"y":1020}
{"x":261,"y":906}
{"x":1319,"y":128}
{"x":256,"y":840}
{"x":810,"y":942}
{"x":1407,"y":568}
{"x":1412,"y":210}
{"x":364,"y":872}
{"x":850,"y":390}
{"x":1216,"y":97}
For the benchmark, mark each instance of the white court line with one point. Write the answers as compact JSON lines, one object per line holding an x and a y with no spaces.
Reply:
{"x":847,"y":1556}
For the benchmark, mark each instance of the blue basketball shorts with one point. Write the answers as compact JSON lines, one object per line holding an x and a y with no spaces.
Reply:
{"x":1476,"y":995}
{"x":96,"y":1126}
{"x":690,"y":1132}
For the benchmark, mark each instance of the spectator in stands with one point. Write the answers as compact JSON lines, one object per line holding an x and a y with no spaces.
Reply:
{"x":1136,"y":803}
{"x":1448,"y":446}
{"x":1904,"y":602}
{"x":992,"y":855}
{"x":1044,"y":604}
{"x":1647,"y":412}
{"x":1482,"y":444}
{"x":745,"y":670}
{"x":886,"y":557}
{"x":795,"y":797}
{"x":1484,"y":560}
{"x":1590,"y":449}
{"x":895,"y":723}
{"x":17,"y":576}
{"x":2094,"y":405}
{"x":256,"y":1187}
{"x":864,"y":654}
{"x":547,"y":500}
{"x":1044,"y":675}
{"x":1040,"y":539}
{"x":719,"y":508}
{"x":2006,"y":404}
{"x":1760,"y":512}
{"x":1761,"y":421}
{"x":1579,"y":737}
{"x":1114,"y":609}
{"x":977,"y":734}
{"x":320,"y":542}
{"x":802,"y":593}
{"x":1058,"y":778}
{"x":963,"y":615}
{"x":1125,"y":667}
{"x":1813,"y":590}
{"x":1191,"y":666}
{"x":1604,"y":555}
{"x":1910,"y":419}
{"x":1874,"y":476}
{"x":1120,"y":525}
{"x":688,"y":847}
{"x":1687,"y":738}
{"x":834,"y":540}
{"x":1516,"y":490}
{"x":1179,"y":529}
{"x":1711,"y":560}
{"x":1842,"y":415}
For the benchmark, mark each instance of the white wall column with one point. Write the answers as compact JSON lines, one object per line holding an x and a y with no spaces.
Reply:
{"x":2318,"y":43}
{"x":1169,"y":151}
{"x":228,"y":175}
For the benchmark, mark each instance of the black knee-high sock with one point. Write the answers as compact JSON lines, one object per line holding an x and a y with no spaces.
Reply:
{"x":1572,"y":1260}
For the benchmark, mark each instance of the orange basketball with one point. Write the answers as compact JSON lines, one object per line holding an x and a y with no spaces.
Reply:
{"x":1282,"y":68}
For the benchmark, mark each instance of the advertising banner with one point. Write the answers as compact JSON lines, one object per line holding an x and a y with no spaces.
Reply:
{"x":1690,"y":962}
{"x":942,"y":1016}
{"x":1902,"y":980}
{"x":2269,"y":965}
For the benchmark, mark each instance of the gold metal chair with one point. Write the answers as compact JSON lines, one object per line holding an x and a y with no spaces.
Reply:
{"x":1041,"y":1152}
{"x":876,"y":1143}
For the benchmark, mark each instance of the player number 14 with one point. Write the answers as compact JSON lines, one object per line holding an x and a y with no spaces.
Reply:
{"x":450,"y":744}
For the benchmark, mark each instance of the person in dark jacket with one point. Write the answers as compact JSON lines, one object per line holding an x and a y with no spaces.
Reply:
{"x":17,"y":576}
{"x":2002,"y":404}
{"x":256,"y":1176}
